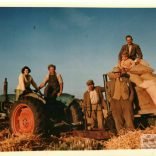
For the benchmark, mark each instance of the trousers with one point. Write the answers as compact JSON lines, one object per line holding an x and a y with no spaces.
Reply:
{"x":122,"y":112}
{"x":96,"y":120}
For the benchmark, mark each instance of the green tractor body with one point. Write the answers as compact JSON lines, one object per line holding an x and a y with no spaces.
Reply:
{"x":32,"y":114}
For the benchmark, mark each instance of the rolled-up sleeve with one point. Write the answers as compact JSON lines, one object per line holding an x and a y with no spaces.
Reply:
{"x":59,"y":77}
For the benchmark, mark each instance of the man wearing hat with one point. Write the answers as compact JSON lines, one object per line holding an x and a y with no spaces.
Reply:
{"x":93,"y":103}
{"x":120,"y":95}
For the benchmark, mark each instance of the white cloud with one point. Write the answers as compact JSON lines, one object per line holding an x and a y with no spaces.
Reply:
{"x":78,"y":18}
{"x":71,"y":18}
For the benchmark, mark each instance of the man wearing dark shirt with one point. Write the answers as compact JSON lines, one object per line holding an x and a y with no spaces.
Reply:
{"x":133,"y":50}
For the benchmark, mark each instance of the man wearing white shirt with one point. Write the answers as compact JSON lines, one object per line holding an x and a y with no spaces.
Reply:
{"x":94,"y":103}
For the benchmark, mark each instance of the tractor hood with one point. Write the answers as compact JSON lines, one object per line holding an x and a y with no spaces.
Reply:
{"x":11,"y":98}
{"x":66,"y":99}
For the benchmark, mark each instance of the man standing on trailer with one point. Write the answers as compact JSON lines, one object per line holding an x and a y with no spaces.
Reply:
{"x":132,"y":49}
{"x":120,"y":95}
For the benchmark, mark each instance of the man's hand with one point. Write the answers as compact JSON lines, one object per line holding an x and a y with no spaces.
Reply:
{"x":59,"y":94}
{"x":123,"y":71}
{"x":127,"y":70}
{"x":137,"y":61}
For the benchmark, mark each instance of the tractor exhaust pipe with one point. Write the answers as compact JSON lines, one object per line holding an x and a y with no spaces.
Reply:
{"x":5,"y":90}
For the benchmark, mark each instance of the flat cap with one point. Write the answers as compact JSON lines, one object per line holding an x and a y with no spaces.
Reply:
{"x":116,"y":70}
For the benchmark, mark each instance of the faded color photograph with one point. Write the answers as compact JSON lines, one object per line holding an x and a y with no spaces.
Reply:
{"x":77,"y":79}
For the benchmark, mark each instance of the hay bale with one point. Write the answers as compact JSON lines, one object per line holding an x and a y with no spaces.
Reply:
{"x":136,"y":79}
{"x":128,"y":139}
{"x":148,"y":76}
{"x":145,"y":101}
{"x":140,"y":69}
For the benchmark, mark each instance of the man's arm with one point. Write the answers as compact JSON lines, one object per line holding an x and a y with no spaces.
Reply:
{"x":131,"y":97}
{"x":21,"y":82}
{"x":132,"y":63}
{"x":44,"y":82}
{"x":61,"y":87}
{"x":139,"y":52}
{"x":60,"y":80}
{"x":34,"y":84}
{"x":102,"y":89}
{"x":109,"y":91}
{"x":111,"y":75}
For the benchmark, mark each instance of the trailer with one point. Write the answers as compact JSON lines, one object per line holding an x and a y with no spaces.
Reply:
{"x":143,"y":107}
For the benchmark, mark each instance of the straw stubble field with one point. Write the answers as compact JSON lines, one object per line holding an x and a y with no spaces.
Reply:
{"x":125,"y":140}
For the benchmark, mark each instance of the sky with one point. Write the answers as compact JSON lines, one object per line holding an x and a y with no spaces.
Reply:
{"x":83,"y":43}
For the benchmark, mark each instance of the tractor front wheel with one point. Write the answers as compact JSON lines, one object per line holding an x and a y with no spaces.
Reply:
{"x":27,"y":116}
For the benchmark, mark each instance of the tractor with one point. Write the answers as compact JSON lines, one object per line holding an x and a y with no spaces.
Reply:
{"x":34,"y":114}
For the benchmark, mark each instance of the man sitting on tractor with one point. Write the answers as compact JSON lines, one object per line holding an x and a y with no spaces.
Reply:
{"x":25,"y":80}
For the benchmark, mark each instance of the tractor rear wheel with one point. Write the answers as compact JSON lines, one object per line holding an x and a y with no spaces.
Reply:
{"x":76,"y":112}
{"x":28,"y":116}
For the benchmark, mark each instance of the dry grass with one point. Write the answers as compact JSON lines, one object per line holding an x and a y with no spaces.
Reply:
{"x":125,"y":140}
{"x":9,"y":142}
{"x":77,"y":143}
{"x":128,"y":139}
